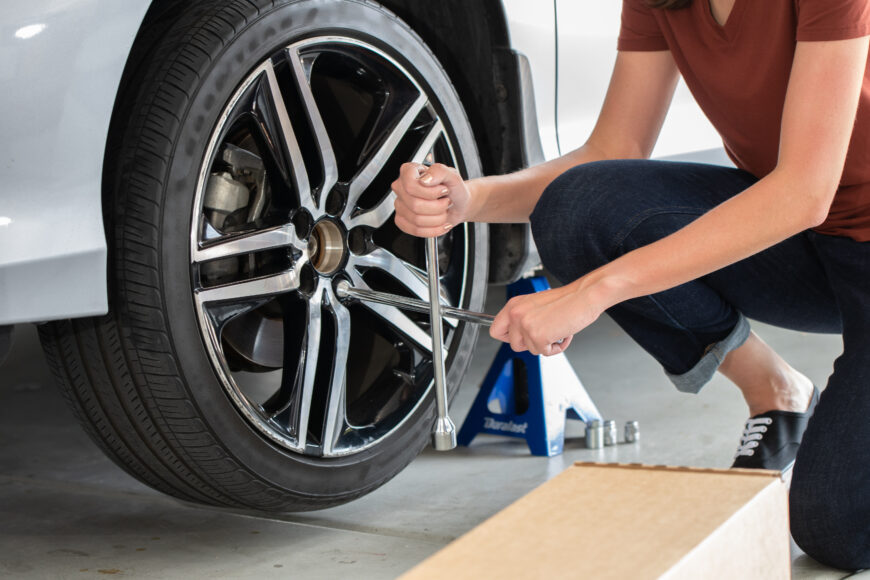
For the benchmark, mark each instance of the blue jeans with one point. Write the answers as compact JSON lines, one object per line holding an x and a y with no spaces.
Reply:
{"x":594,"y":213}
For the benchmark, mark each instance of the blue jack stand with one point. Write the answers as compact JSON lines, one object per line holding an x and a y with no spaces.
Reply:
{"x":528,"y":396}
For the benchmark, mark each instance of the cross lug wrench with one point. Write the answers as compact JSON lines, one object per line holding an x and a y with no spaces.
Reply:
{"x":344,"y":290}
{"x":444,"y":433}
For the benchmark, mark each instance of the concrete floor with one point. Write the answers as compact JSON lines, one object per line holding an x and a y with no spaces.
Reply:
{"x":68,"y":512}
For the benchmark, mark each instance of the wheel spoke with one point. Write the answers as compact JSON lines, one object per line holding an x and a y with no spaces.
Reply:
{"x":288,"y":136}
{"x":396,"y":319}
{"x":365,"y":177}
{"x":307,"y":373}
{"x":400,"y":322}
{"x":336,"y":409}
{"x":251,"y":289}
{"x":380,"y":213}
{"x":247,"y":243}
{"x":327,"y":155}
{"x":377,"y":216}
{"x":414,"y":280}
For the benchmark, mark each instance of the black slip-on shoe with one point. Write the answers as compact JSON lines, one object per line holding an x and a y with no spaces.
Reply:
{"x":771,"y":440}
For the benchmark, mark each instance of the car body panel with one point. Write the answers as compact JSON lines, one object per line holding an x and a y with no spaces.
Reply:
{"x":60,"y":66}
{"x":531,"y":26}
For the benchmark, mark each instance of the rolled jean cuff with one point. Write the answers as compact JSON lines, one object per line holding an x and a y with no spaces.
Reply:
{"x":694,"y":380}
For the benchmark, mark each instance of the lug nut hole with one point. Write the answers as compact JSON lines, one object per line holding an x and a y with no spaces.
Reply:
{"x":307,"y":280}
{"x":335,"y":202}
{"x":358,"y":241}
{"x":303,"y":223}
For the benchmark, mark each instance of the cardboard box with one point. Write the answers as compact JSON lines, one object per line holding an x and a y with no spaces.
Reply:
{"x":630,"y":522}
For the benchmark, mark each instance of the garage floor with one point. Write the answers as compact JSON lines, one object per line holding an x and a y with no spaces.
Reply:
{"x":68,"y":512}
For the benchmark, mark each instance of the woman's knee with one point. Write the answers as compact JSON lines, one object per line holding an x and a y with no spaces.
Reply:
{"x":595,"y":212}
{"x":828,"y":522}
{"x":573,"y":221}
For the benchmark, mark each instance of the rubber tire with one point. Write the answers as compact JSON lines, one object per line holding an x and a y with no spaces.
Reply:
{"x":139,"y":379}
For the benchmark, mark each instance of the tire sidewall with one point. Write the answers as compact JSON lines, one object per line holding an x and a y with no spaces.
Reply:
{"x":275,"y":28}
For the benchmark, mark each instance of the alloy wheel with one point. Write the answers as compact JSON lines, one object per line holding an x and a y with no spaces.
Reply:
{"x":294,"y":197}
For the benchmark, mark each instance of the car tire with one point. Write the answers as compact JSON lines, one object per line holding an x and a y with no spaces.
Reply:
{"x":178,"y":383}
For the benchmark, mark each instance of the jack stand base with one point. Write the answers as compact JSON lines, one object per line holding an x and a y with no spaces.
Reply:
{"x":528,"y":396}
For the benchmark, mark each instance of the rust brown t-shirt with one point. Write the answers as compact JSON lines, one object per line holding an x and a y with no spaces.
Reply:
{"x":739,"y":74}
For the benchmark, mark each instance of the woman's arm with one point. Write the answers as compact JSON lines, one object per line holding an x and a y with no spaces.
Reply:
{"x":818,"y":118}
{"x":640,"y":92}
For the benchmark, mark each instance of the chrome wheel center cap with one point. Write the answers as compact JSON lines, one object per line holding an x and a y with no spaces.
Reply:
{"x":326,"y":247}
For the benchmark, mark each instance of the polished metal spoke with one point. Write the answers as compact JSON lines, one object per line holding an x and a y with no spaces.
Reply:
{"x":377,"y":216}
{"x":395,"y":318}
{"x":336,"y":409}
{"x":250,"y":289}
{"x":425,"y":148}
{"x":308,"y":363}
{"x":380,"y":213}
{"x":413,"y":279}
{"x":374,"y":165}
{"x":324,"y":145}
{"x":246,"y":243}
{"x":400,"y":322}
{"x":291,"y":144}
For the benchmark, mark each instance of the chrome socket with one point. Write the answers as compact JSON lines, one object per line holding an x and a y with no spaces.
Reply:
{"x":611,"y":436}
{"x":632,"y":432}
{"x":594,"y":434}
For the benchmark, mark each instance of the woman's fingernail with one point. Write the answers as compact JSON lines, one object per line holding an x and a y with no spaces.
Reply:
{"x":427,"y":179}
{"x":445,"y":192}
{"x":448,"y":226}
{"x":450,"y":206}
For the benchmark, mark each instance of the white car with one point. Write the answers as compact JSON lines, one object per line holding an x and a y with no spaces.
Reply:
{"x":185,"y":182}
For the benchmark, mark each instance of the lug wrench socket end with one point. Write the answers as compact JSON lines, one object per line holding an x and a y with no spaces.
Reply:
{"x":444,"y":435}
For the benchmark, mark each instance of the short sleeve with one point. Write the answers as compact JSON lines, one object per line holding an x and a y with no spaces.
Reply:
{"x":832,"y":19}
{"x":640,"y":30}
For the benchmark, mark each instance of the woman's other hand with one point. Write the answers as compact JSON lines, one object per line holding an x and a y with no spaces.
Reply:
{"x":430,"y":200}
{"x":545,"y":322}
